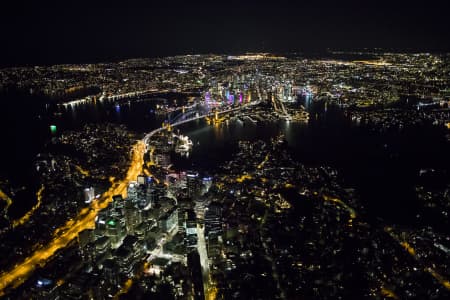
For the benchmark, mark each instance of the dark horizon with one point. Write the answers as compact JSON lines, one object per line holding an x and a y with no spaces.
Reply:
{"x":47,"y":33}
{"x":310,"y":53}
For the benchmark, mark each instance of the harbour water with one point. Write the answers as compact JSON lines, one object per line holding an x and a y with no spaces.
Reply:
{"x":382,"y":167}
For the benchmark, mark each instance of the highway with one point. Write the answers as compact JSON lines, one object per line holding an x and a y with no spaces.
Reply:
{"x":86,"y":219}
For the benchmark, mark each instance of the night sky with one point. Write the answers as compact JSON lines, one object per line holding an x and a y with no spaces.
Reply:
{"x":45,"y":32}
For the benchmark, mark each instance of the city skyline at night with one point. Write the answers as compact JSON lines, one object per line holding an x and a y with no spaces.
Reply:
{"x":224,"y":150}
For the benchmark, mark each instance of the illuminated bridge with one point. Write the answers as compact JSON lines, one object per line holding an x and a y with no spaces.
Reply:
{"x":188,"y":112}
{"x":191,"y":113}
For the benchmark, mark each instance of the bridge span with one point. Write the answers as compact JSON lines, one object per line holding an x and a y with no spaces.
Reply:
{"x":150,"y":134}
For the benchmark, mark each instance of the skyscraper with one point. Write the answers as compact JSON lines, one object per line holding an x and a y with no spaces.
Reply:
{"x":193,"y":183}
{"x":169,"y":221}
{"x":115,"y":231}
{"x":89,"y":195}
{"x":195,"y":270}
{"x":141,"y":179}
{"x":132,"y":192}
{"x":132,"y":217}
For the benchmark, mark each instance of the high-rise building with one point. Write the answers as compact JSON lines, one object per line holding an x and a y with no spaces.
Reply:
{"x":213,"y":247}
{"x":132,"y":216}
{"x":118,"y":205}
{"x":88,"y":253}
{"x":163,"y":159}
{"x":141,"y":196}
{"x":152,"y":196}
{"x":111,"y":271}
{"x":206,"y":182}
{"x":195,"y":270}
{"x":132,"y":192}
{"x":89,"y":195}
{"x":100,"y":223}
{"x":85,"y":237}
{"x":213,"y":224}
{"x":134,"y":244}
{"x":192,"y":184}
{"x":141,"y":179}
{"x":190,"y":222}
{"x":169,"y":221}
{"x":115,"y":231}
{"x":102,"y":245}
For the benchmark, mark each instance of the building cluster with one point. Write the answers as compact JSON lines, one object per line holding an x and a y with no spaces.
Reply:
{"x":385,"y":120}
{"x":146,"y":244}
{"x":75,"y":159}
{"x":288,"y":231}
{"x":358,"y":80}
{"x":127,"y":241}
{"x":264,"y":226}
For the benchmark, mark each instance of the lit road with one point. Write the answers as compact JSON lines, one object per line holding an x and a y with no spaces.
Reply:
{"x":28,"y":215}
{"x":6,"y":198}
{"x":335,"y":200}
{"x":201,"y":247}
{"x":410,"y":249}
{"x":86,"y":219}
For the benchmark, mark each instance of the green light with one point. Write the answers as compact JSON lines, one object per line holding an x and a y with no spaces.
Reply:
{"x":53,"y":128}
{"x":112,"y":223}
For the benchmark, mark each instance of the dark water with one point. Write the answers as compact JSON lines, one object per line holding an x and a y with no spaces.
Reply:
{"x":383,"y":167}
{"x":25,"y":130}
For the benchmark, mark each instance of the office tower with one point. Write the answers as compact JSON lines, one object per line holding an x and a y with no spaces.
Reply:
{"x":111,"y":272}
{"x":213,"y":224}
{"x":89,"y":195}
{"x":141,"y":179}
{"x":132,"y":192}
{"x":169,"y":221}
{"x":102,"y":245}
{"x":117,"y":204}
{"x":206,"y":182}
{"x":132,"y":216}
{"x":152,"y":196}
{"x":163,"y":159}
{"x":85,"y":237}
{"x":195,"y":271}
{"x":190,"y":222}
{"x":114,"y":230}
{"x":100,"y":223}
{"x":141,"y":197}
{"x":192,"y":183}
